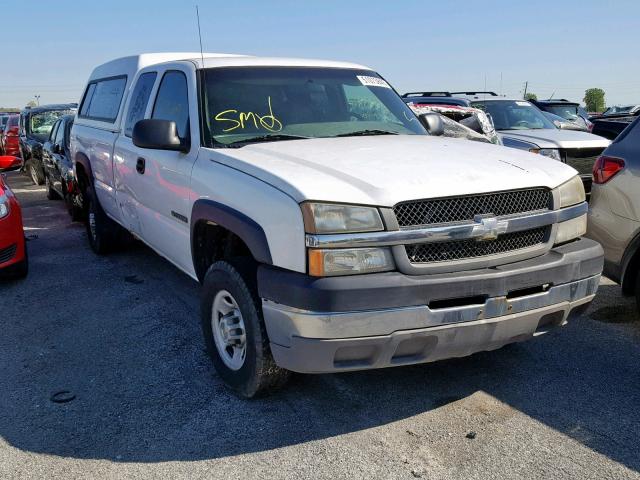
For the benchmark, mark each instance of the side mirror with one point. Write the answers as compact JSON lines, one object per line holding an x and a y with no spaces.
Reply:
{"x":158,"y":135}
{"x":432,"y":123}
{"x":8,"y":162}
{"x":56,"y":148}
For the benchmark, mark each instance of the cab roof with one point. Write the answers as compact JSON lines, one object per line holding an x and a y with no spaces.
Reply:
{"x":130,"y":65}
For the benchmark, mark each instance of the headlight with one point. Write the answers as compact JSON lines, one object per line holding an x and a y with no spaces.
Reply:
{"x":574,"y":228}
{"x":571,"y":192}
{"x":330,"y":218}
{"x":547,"y":152}
{"x":331,"y":262}
{"x":4,"y":206}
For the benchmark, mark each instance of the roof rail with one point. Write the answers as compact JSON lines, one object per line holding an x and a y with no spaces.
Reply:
{"x":493,"y":94}
{"x":426,"y":94}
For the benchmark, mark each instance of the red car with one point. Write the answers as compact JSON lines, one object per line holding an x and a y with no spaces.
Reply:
{"x":13,"y":250}
{"x":10,"y":141}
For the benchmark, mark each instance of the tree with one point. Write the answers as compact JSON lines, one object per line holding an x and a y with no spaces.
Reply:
{"x":531,"y":96}
{"x":594,"y":99}
{"x":31,"y":103}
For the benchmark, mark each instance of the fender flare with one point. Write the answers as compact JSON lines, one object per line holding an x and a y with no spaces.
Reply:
{"x":250,"y":232}
{"x":82,"y":159}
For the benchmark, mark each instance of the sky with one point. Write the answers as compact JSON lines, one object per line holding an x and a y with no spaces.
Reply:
{"x":560,"y":48}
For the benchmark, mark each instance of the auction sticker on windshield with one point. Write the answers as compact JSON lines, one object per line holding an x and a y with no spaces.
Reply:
{"x":372,"y":81}
{"x":522,"y":104}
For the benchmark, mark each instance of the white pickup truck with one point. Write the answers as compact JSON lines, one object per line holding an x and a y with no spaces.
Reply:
{"x":331,"y":228}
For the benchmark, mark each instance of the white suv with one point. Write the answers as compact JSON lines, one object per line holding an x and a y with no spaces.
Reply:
{"x":330,"y":230}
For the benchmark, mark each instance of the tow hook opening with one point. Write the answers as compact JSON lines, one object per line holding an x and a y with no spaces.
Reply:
{"x":458,"y":302}
{"x":524,"y":292}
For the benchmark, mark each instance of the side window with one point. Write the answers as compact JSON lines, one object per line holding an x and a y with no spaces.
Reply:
{"x":59,"y":138}
{"x":67,"y":134}
{"x":172,"y":101}
{"x":52,"y":134}
{"x":139,"y":100}
{"x":87,"y":99}
{"x":102,"y":102}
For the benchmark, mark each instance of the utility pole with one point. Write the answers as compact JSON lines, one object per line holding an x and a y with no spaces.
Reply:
{"x":37,"y":99}
{"x":526,"y":85}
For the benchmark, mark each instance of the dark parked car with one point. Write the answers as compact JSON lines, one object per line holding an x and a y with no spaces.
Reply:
{"x":434,"y":98}
{"x":58,"y":167}
{"x":570,"y":111}
{"x":610,"y":126}
{"x":35,"y":127}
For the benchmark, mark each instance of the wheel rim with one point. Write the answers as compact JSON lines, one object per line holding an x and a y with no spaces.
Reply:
{"x":229,"y":333}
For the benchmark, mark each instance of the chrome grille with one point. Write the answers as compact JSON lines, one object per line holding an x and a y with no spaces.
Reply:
{"x":466,"y":249}
{"x":456,"y":209}
{"x":8,"y":253}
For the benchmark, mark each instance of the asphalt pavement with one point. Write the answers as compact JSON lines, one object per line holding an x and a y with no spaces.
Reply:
{"x":117,"y":340}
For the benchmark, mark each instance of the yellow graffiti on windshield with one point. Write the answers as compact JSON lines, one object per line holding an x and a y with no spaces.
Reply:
{"x":244,"y":119}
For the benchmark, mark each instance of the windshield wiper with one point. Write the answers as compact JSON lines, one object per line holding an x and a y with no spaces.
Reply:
{"x":366,"y":132}
{"x":263,"y":138}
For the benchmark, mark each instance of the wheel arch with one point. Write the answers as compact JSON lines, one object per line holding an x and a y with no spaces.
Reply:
{"x":208,"y":214}
{"x":630,"y":265}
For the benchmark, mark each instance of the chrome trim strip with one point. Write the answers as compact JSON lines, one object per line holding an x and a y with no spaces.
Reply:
{"x":481,"y":228}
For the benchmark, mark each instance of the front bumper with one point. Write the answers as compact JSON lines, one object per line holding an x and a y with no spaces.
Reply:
{"x":12,"y":242}
{"x":383,"y":320}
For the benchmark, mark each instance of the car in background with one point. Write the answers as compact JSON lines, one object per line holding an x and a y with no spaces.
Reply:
{"x":4,"y":118}
{"x":9,"y":140}
{"x":434,"y":98}
{"x":14,"y":262}
{"x":614,"y":213}
{"x":570,"y":111}
{"x":619,"y":111}
{"x":462,"y":122}
{"x":610,"y":126}
{"x":60,"y":180}
{"x":35,"y":127}
{"x":522,"y":125}
{"x":564,"y":124}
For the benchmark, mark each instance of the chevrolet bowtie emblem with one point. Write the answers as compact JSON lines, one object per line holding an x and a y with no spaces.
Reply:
{"x":488,"y":227}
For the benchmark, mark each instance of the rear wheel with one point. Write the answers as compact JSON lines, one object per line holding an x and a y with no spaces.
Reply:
{"x":75,"y":205}
{"x":638,"y":291}
{"x":51,"y":193}
{"x":104,"y":234}
{"x":234,"y":330}
{"x":36,"y":175}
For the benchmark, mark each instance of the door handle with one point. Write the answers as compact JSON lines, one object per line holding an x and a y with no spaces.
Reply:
{"x":140,"y":165}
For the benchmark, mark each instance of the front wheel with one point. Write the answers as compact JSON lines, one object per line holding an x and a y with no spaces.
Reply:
{"x":234,"y":330}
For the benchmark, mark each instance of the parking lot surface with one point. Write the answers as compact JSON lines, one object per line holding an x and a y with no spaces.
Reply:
{"x":121,"y":335}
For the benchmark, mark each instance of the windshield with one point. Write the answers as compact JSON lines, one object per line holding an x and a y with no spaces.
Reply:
{"x":568,"y":112}
{"x":514,"y":115}
{"x":253,"y":104}
{"x":40,"y":124}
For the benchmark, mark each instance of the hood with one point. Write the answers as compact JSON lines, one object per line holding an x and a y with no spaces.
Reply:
{"x":384,"y":170}
{"x":556,"y":138}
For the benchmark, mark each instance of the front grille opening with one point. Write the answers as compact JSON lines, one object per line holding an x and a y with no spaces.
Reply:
{"x":457,"y":209}
{"x":467,"y":249}
{"x":525,"y":292}
{"x":8,"y":253}
{"x":458,"y":302}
